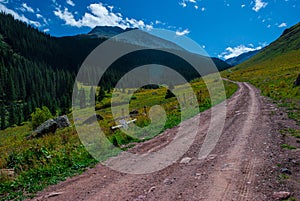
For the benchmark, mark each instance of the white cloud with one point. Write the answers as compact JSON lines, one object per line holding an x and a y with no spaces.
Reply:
{"x":243,"y":5}
{"x":259,"y":4}
{"x":182,"y":33}
{"x":99,"y":15}
{"x":268,"y":26}
{"x":39,"y":16}
{"x":203,"y":9}
{"x":17,"y":16}
{"x":110,"y":8}
{"x":282,"y":25}
{"x":27,"y":8}
{"x":70,"y":2}
{"x":67,"y":16}
{"x":231,"y":52}
{"x":46,"y":30}
{"x":183,"y":4}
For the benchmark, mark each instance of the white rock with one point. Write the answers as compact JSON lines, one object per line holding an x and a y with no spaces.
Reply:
{"x":281,"y":195}
{"x":186,"y":160}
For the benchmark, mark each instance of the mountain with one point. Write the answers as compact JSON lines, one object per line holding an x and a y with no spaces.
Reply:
{"x":138,"y":37}
{"x":37,"y":69}
{"x":241,"y":58}
{"x":288,"y":41}
{"x":106,"y":31}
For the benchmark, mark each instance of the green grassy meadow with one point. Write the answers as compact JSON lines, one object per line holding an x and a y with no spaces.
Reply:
{"x":40,"y":162}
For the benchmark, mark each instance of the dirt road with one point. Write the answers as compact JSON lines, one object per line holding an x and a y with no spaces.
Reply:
{"x":239,"y":168}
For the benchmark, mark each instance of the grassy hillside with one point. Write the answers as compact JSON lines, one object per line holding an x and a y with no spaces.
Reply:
{"x":45,"y":161}
{"x":274,"y":70}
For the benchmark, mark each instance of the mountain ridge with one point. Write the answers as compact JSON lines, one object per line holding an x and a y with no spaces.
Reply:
{"x":242,"y":57}
{"x":108,"y":31}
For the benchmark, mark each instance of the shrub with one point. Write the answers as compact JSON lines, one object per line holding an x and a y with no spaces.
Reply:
{"x":286,"y":146}
{"x":39,"y":116}
{"x":169,"y":94}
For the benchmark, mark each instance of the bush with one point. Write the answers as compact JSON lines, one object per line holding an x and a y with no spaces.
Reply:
{"x":169,"y":94}
{"x":39,"y":116}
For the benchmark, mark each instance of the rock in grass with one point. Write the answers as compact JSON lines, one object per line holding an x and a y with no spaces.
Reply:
{"x":62,"y":121}
{"x":48,"y":126}
{"x":282,"y":195}
{"x":285,"y":171}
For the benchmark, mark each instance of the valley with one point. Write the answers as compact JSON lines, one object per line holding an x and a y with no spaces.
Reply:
{"x":241,"y":167}
{"x":255,"y":157}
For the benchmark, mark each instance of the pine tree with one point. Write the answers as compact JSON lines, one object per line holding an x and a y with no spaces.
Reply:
{"x":101,"y":94}
{"x":75,"y":91}
{"x":12,"y":117}
{"x":82,"y":99}
{"x":10,"y":90}
{"x":92,"y":96}
{"x":2,"y":115}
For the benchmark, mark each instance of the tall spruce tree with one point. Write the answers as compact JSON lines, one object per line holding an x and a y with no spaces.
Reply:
{"x":101,"y":94}
{"x":92,"y":96}
{"x":82,"y":98}
{"x":2,"y":116}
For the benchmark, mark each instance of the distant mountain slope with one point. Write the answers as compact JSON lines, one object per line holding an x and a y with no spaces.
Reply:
{"x":241,"y":58}
{"x":274,"y":70}
{"x":288,"y":41}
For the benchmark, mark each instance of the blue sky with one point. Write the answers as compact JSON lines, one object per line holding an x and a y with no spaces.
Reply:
{"x":225,"y":28}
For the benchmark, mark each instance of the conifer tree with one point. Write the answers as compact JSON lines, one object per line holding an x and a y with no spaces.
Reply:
{"x":2,"y":116}
{"x":92,"y":96}
{"x":101,"y":94}
{"x":82,"y":99}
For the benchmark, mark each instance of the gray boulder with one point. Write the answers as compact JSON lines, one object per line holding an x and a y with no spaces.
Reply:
{"x":62,"y":121}
{"x":285,"y":171}
{"x":48,"y":126}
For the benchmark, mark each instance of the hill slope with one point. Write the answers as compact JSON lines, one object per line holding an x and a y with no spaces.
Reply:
{"x":287,"y":42}
{"x":274,"y":70}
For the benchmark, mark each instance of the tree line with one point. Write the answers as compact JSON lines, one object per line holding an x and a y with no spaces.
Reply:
{"x":38,"y":70}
